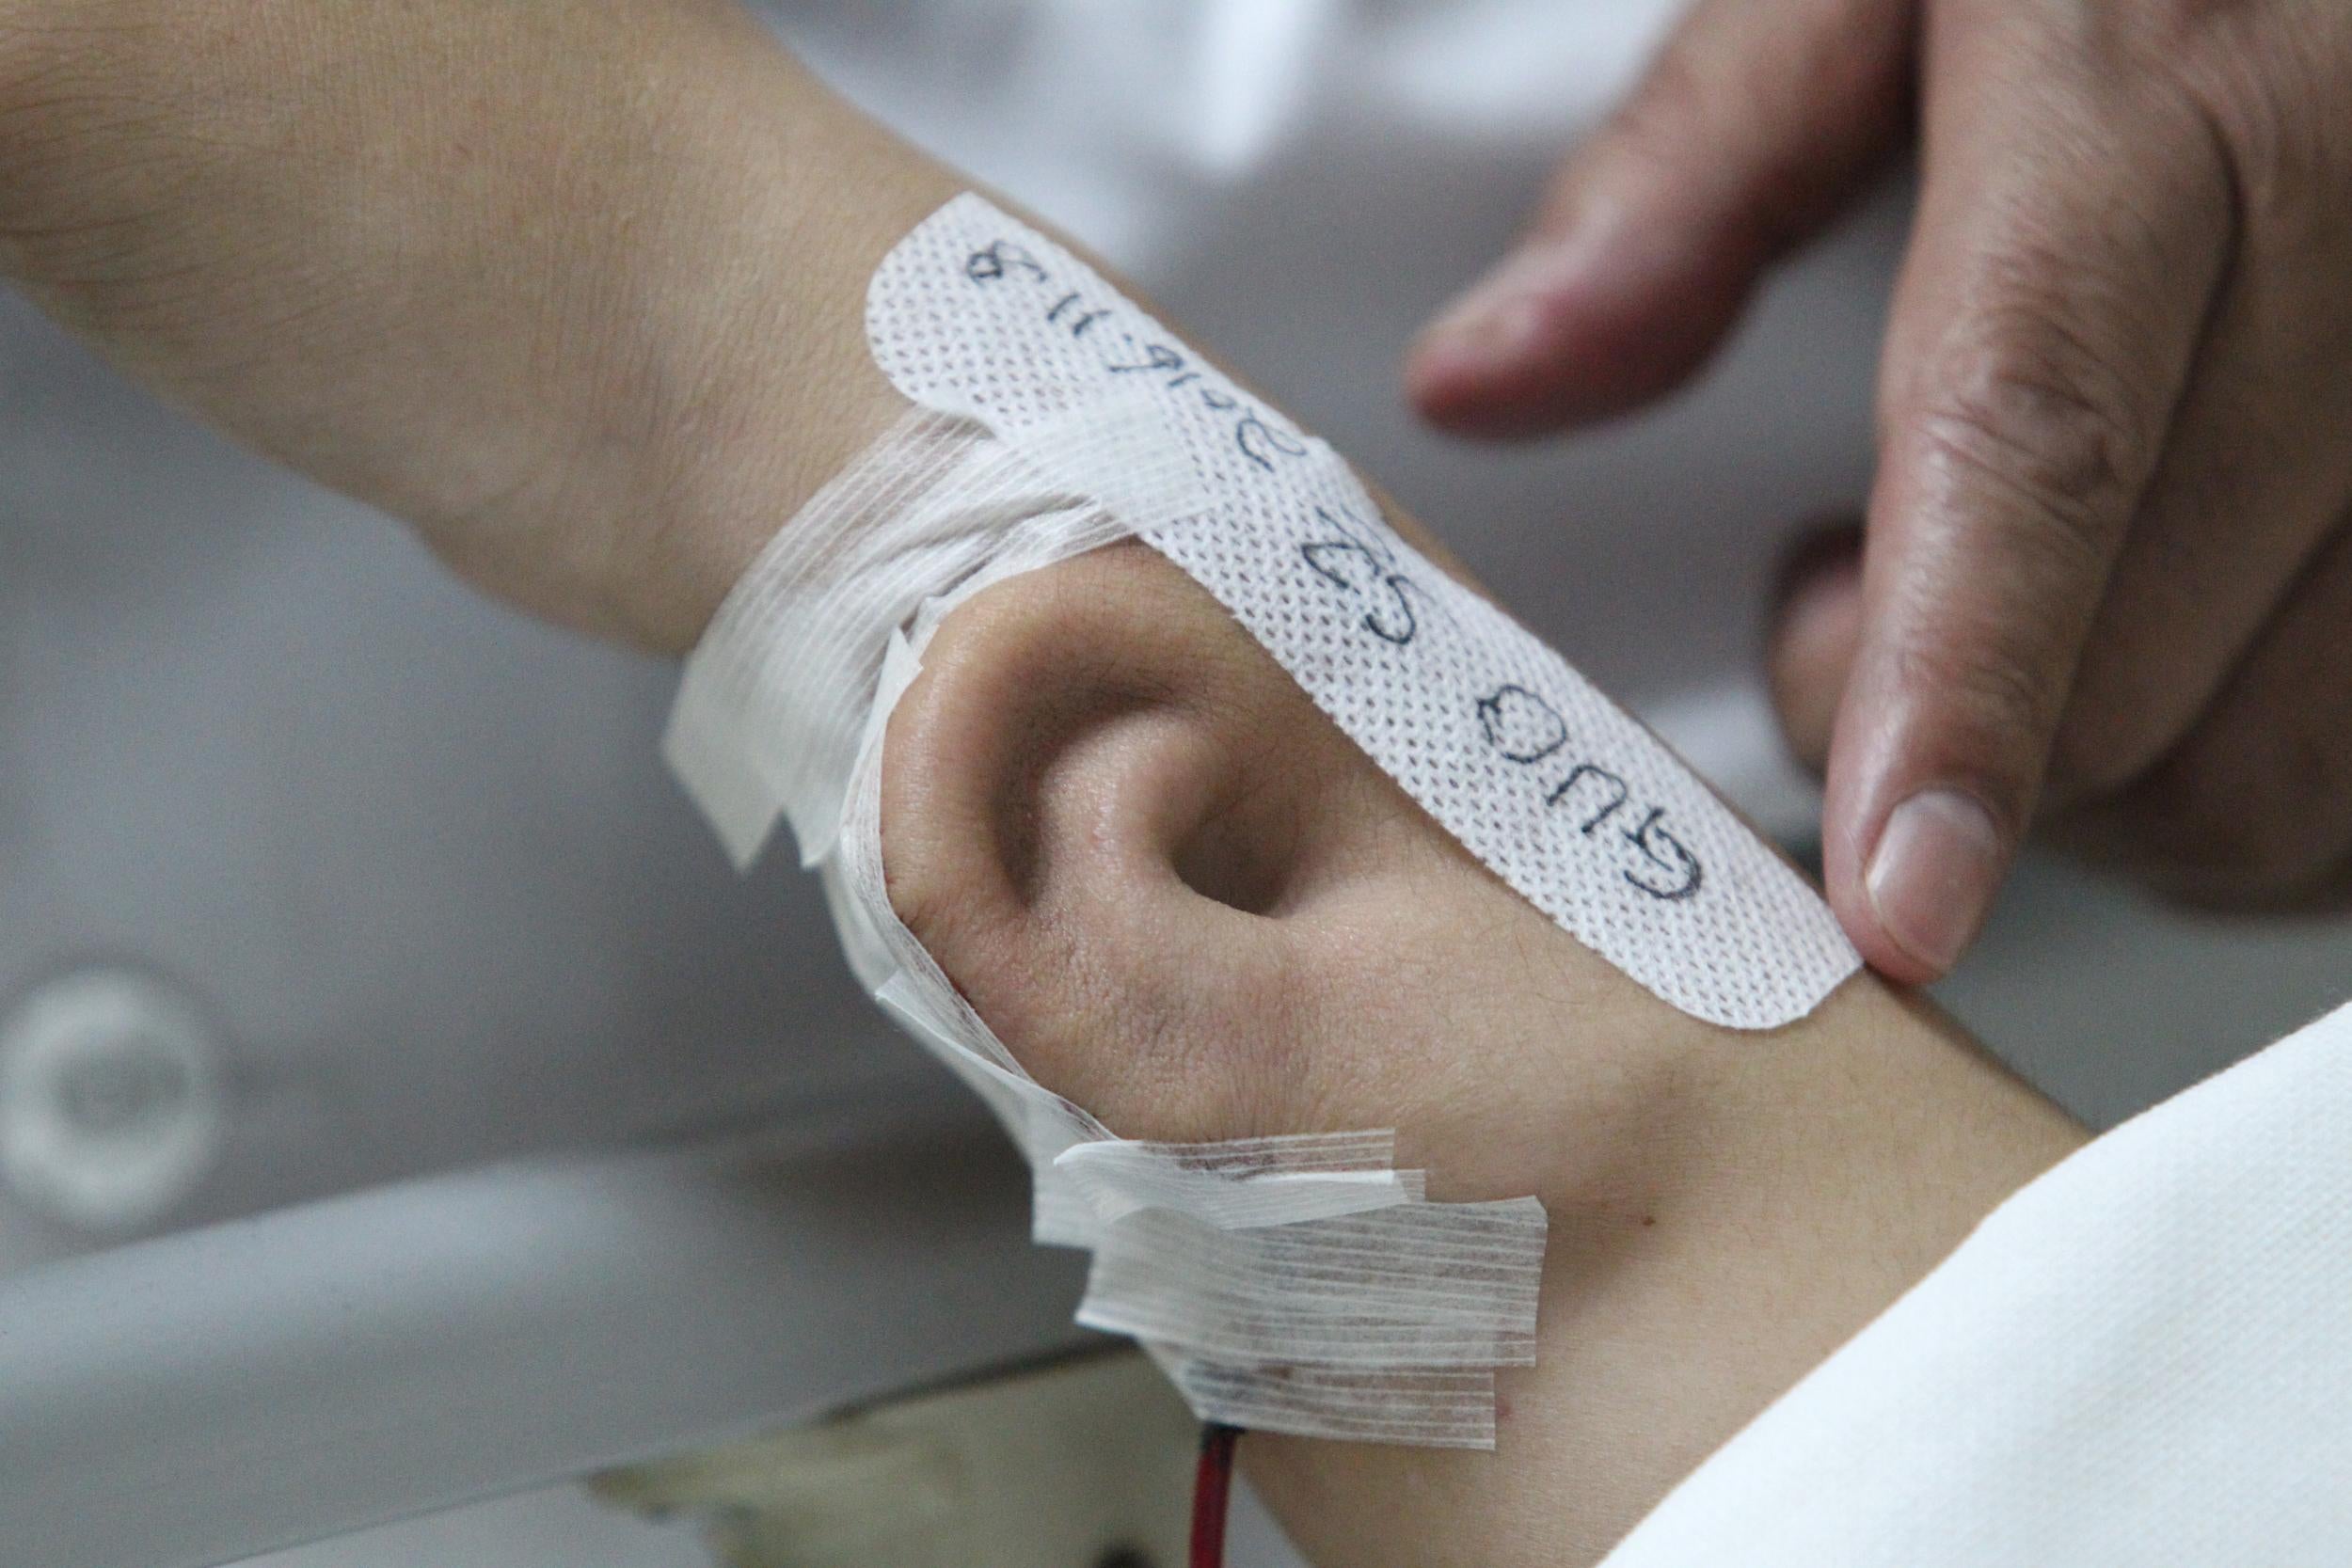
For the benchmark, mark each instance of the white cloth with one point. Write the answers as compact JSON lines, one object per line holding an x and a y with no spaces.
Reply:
{"x":2143,"y":1360}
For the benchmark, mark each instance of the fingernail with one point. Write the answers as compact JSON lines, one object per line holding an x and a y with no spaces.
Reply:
{"x":1934,"y":872}
{"x":1500,"y":319}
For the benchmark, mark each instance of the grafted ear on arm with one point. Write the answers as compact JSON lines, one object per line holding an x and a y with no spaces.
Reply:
{"x":1182,"y":896}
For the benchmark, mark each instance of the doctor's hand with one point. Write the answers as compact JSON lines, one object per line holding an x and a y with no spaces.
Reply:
{"x":2109,"y":579}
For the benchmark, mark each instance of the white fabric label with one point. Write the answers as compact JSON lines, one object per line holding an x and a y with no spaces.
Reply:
{"x":1570,"y":801}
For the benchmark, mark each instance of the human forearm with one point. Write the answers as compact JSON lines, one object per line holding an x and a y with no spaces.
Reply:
{"x":1088,"y":746}
{"x":574,"y":286}
{"x":1779,"y":1193}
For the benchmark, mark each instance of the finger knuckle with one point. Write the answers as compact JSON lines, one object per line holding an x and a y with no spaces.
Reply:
{"x":1669,"y":133}
{"x":2262,"y":823}
{"x":1677,"y":122}
{"x":1992,"y":702}
{"x":2175,"y":22}
{"x":2038,"y":416}
{"x":90,"y":148}
{"x":65,"y":70}
{"x":2261,"y":85}
{"x":44,"y":90}
{"x":2269,"y":100}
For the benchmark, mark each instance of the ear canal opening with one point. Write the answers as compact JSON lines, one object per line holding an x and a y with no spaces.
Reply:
{"x":1247,"y":853}
{"x":1218,"y":869}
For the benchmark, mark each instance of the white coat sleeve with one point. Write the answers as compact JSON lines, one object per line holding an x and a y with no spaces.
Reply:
{"x":2141,"y":1360}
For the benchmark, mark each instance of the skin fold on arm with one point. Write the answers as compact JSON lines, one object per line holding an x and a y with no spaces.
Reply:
{"x":575,"y":288}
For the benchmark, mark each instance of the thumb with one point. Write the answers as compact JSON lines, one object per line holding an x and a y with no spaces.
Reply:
{"x":1751,"y":128}
{"x":2074,"y":226}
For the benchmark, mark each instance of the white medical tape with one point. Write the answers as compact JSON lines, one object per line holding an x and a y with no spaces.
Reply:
{"x":1325,"y":1294}
{"x":1577,"y":806}
{"x":794,"y":651}
{"x":1247,"y":1182}
{"x":1437,"y":1410}
{"x":1297,"y":1284}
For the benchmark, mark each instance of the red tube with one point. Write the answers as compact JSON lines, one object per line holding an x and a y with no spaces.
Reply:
{"x":1213,"y":1484}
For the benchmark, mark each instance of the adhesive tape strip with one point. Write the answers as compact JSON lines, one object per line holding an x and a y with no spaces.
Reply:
{"x":1295,"y":1284}
{"x":779,"y":692}
{"x":1540,"y":776}
{"x":1290,"y":1284}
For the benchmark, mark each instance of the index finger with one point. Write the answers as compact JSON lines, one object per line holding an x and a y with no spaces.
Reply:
{"x":2074,"y":226}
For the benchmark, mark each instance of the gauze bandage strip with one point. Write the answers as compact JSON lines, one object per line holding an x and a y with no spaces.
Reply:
{"x":934,"y":508}
{"x":1293,"y":1284}
{"x":1298,"y":1284}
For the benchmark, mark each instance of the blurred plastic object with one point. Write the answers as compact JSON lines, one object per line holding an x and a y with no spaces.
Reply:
{"x":111,"y":1098}
{"x":204,"y":1395}
{"x":1081,"y":1463}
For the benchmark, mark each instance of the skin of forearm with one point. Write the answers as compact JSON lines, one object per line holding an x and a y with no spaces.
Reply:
{"x":1727,"y":1211}
{"x":576,"y":286}
{"x":1183,"y":897}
